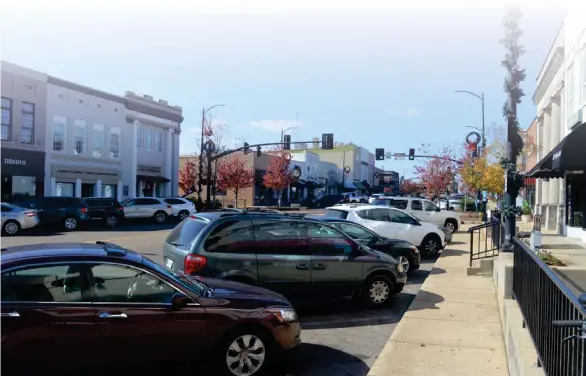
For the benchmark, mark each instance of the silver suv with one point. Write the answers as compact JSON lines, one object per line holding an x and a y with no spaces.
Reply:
{"x":147,"y":207}
{"x":182,"y":208}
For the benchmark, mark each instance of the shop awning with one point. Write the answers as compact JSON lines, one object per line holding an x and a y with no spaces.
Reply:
{"x":358,"y":185}
{"x":312,"y":184}
{"x":568,"y":155}
{"x":156,"y":179}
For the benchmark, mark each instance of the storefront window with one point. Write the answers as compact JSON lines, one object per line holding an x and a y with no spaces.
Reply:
{"x":109,"y":190}
{"x":24,"y":185}
{"x":65,"y":189}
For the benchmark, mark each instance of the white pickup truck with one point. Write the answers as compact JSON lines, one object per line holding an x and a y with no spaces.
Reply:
{"x":354,"y":197}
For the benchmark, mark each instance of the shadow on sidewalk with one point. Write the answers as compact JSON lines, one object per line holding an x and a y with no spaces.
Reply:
{"x":453,"y":252}
{"x":426,"y":300}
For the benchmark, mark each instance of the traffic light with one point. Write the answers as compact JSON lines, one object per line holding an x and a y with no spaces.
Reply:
{"x":411,"y":154}
{"x":287,"y":142}
{"x":380,"y":154}
{"x":258,"y":152}
{"x":474,"y":149}
{"x":327,"y":141}
{"x":246,"y":148}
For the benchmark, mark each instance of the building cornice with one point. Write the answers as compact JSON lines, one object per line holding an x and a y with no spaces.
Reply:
{"x":551,"y":71}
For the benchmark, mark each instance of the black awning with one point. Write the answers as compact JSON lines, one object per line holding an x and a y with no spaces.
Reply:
{"x":156,"y":179}
{"x":568,"y":155}
{"x":311,"y":184}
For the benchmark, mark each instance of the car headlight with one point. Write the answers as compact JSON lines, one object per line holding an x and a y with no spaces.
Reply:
{"x":284,"y":314}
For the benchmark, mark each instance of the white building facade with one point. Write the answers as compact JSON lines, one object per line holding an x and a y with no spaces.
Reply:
{"x":85,"y":142}
{"x":561,"y":138}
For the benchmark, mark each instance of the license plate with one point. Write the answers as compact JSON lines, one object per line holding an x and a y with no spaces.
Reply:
{"x":169,"y":263}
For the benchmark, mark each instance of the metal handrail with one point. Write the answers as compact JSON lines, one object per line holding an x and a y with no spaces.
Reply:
{"x":552,"y":275}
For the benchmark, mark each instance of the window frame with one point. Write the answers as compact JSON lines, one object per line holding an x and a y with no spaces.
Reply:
{"x":101,"y":138}
{"x":411,"y":205}
{"x":583,"y":73}
{"x":158,"y":141}
{"x":115,"y":131}
{"x":94,"y":297}
{"x":63,"y":122}
{"x":32,"y":127}
{"x":139,"y":137}
{"x":428,"y":202}
{"x":10,"y":117}
{"x":78,"y":124}
{"x":340,"y":225}
{"x":85,"y":301}
{"x":148,"y":139}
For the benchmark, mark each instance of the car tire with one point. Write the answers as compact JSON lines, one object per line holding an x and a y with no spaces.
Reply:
{"x":431,"y":245}
{"x":378,"y":291}
{"x":259,"y":351}
{"x":111,"y":221}
{"x":183,"y":214}
{"x":11,"y":228}
{"x":70,"y":223}
{"x":160,"y":217}
{"x":452,"y":225}
{"x":362,"y":201}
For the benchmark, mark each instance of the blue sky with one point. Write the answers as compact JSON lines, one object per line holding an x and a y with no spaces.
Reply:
{"x":378,"y":74}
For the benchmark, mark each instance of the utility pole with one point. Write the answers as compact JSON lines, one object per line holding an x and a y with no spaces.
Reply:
{"x":202,"y":151}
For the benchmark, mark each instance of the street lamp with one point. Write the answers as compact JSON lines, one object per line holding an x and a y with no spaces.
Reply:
{"x":283,"y":131}
{"x":481,"y":97}
{"x":204,"y":111}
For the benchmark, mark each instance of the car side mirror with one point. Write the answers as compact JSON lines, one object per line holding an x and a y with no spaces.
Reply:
{"x":179,"y":300}
{"x":438,"y":209}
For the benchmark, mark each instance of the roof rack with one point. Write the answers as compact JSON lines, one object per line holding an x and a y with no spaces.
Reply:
{"x":112,"y":249}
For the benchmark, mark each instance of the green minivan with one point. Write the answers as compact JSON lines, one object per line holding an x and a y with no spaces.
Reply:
{"x":301,"y":258}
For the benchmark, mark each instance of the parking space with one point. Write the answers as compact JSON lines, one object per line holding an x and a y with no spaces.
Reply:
{"x":338,"y":339}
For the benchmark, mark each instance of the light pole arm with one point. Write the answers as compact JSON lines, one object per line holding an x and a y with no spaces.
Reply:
{"x":481,"y":97}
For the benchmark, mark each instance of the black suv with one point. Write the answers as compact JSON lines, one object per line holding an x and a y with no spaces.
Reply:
{"x":69,"y":212}
{"x":301,"y":258}
{"x":106,"y":209}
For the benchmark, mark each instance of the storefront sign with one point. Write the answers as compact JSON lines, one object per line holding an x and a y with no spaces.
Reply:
{"x":556,"y":159}
{"x":149,"y":170}
{"x":23,"y":162}
{"x":84,"y":173}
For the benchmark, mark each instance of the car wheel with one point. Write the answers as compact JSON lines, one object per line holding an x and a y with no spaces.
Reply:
{"x":111,"y":221}
{"x":245,"y":353}
{"x":404,"y":260}
{"x":183,"y":214}
{"x":451,"y":225}
{"x":160,"y":217}
{"x":378,"y":291}
{"x":70,"y":223}
{"x":431,"y":245}
{"x":11,"y":228}
{"x":362,"y":201}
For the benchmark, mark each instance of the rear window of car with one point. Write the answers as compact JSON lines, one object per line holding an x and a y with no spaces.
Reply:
{"x":184,"y":233}
{"x":380,"y":202}
{"x":174,"y":201}
{"x":333,"y":213}
{"x":399,"y":204}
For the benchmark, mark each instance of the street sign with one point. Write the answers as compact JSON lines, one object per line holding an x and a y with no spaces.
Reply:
{"x":388,"y":155}
{"x":400,"y":156}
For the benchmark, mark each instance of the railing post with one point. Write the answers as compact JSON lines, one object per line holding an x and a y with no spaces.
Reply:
{"x":471,"y":246}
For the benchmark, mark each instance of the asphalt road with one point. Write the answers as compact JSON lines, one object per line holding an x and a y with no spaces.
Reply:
{"x":339,"y":339}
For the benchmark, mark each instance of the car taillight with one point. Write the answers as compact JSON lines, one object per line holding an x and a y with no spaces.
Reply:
{"x":120,"y":208}
{"x":169,"y":207}
{"x":194,"y":263}
{"x":30,"y":214}
{"x":83,"y":210}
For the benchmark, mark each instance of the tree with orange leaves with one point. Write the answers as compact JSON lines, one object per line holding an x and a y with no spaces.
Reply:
{"x":233,"y":175}
{"x":278,"y":175}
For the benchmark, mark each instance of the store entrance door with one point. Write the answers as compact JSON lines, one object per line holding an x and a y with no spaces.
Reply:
{"x":6,"y":188}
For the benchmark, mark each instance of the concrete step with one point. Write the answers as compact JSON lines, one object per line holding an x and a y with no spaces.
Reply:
{"x":481,"y":267}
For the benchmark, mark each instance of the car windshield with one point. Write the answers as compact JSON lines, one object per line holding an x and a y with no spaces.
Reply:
{"x":197,"y":286}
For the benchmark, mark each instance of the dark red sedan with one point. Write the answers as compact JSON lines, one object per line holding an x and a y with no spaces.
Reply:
{"x":89,"y":305}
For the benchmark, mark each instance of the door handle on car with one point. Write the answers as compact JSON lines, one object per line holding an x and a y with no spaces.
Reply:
{"x":108,"y":315}
{"x":10,"y":314}
{"x":302,"y":267}
{"x":319,"y":267}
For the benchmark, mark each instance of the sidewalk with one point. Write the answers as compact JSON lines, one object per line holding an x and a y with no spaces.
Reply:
{"x":452,"y":327}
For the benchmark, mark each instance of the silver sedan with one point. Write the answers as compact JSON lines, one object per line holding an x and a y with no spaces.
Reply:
{"x":15,"y":219}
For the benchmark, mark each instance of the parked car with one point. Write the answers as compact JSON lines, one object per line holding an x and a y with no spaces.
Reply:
{"x":406,"y":253}
{"x":147,"y":208}
{"x":106,"y":209}
{"x":116,"y":305}
{"x":182,"y":208}
{"x":393,"y":224}
{"x":301,"y":258}
{"x":375,"y":196}
{"x":15,"y":219}
{"x":325,"y":201}
{"x":424,"y":210}
{"x":353,"y":197}
{"x":68,"y":212}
